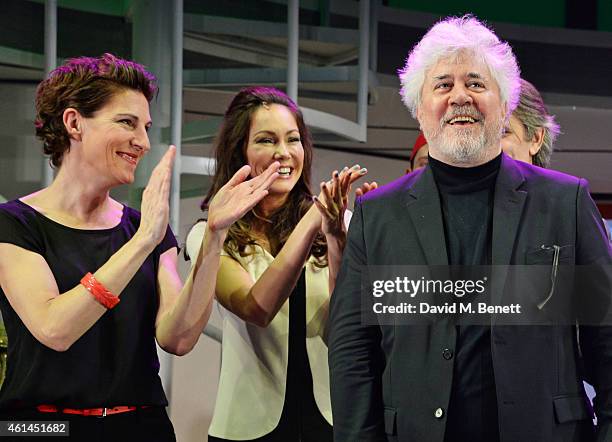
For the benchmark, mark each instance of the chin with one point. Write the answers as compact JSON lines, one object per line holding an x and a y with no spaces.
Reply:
{"x":281,"y":188}
{"x":126,"y":179}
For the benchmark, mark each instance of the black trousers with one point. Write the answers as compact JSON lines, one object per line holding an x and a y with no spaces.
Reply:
{"x":142,"y":425}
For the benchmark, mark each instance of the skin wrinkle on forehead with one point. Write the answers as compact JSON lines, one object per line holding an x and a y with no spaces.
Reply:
{"x":472,"y":75}
{"x":455,"y":58}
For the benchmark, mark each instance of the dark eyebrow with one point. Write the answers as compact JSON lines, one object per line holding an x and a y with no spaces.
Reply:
{"x":475,"y":75}
{"x":441,"y":77}
{"x":269,"y":132}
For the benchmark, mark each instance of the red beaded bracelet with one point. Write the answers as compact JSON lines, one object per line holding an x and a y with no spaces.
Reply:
{"x":102,"y":295}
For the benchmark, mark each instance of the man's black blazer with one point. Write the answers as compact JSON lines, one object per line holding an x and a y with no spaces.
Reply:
{"x":392,"y":383}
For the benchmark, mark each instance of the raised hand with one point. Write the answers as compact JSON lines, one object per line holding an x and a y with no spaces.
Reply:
{"x":238,"y":196}
{"x":365,"y":188}
{"x":333,"y":200}
{"x":154,"y":207}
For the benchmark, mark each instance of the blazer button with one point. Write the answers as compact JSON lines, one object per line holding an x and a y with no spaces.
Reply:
{"x":439,"y":413}
{"x":447,"y":354}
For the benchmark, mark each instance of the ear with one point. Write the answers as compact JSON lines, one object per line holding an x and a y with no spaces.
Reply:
{"x":73,"y":122}
{"x":536,"y":142}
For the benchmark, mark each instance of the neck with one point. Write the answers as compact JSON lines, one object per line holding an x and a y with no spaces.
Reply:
{"x":271,"y":204}
{"x":75,"y":193}
{"x":489,"y":154}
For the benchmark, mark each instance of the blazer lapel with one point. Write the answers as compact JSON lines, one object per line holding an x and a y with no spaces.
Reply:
{"x":507,"y":210}
{"x":508,"y":207}
{"x":423,"y":205}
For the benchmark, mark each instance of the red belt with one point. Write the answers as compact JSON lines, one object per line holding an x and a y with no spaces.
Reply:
{"x":88,"y":411}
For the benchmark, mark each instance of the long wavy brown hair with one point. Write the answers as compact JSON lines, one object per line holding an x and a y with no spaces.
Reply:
{"x":230,"y":155}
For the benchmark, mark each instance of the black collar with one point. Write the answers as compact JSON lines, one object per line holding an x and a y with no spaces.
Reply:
{"x":452,"y":179}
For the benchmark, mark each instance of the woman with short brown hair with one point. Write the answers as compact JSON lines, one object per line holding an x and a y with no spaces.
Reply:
{"x":88,"y":285}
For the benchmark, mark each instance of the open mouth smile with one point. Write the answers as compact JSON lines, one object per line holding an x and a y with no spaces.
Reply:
{"x":462,"y":120}
{"x":130,"y":158}
{"x":285,"y":171}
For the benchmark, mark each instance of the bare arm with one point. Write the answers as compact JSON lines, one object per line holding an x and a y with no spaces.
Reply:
{"x":259,"y":301}
{"x":58,"y":321}
{"x":184,"y":311}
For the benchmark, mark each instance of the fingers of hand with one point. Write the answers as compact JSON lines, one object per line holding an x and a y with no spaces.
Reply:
{"x":163,"y":169}
{"x":322,"y":207}
{"x":271,"y":175}
{"x":336,"y":190}
{"x":346,"y":183}
{"x":265,"y":179}
{"x":365,"y":188}
{"x":250,"y":201}
{"x":356,"y":172}
{"x":334,"y":185}
{"x":239,"y":177}
{"x":325,"y":191}
{"x":169,"y":156}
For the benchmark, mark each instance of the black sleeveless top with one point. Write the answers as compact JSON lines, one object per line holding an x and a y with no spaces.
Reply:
{"x":115,"y":362}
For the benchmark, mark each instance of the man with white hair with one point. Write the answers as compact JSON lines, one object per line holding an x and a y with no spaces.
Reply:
{"x":445,"y":381}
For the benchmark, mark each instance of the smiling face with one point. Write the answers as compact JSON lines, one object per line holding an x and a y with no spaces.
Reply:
{"x":115,"y":138}
{"x":461,"y":112}
{"x":274,"y":136}
{"x":517,"y":144}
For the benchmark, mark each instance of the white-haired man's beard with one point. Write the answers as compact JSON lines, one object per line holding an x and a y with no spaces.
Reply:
{"x":464,"y":145}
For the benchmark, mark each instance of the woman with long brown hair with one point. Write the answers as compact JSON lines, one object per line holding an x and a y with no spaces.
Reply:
{"x":275,"y":277}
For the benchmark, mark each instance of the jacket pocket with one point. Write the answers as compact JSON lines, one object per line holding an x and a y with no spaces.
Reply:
{"x":545,"y":254}
{"x":390,"y":425}
{"x":572,"y":408}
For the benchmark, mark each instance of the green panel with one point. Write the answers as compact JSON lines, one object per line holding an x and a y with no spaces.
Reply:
{"x":529,"y":12}
{"x":107,"y":7}
{"x":604,"y":15}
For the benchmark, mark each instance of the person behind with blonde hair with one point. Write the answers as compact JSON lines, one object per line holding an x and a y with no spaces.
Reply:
{"x":531,"y":131}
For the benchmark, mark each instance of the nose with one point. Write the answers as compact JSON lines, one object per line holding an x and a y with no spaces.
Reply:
{"x":141,"y":140}
{"x":281,"y":151}
{"x":460,"y":96}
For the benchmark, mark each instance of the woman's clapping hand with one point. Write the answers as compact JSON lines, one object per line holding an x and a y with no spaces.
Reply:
{"x":332,"y":202}
{"x":154,"y":207}
{"x":238,"y":196}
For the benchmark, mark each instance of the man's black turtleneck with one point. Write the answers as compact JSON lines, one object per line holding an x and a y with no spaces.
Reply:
{"x":466,"y":197}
